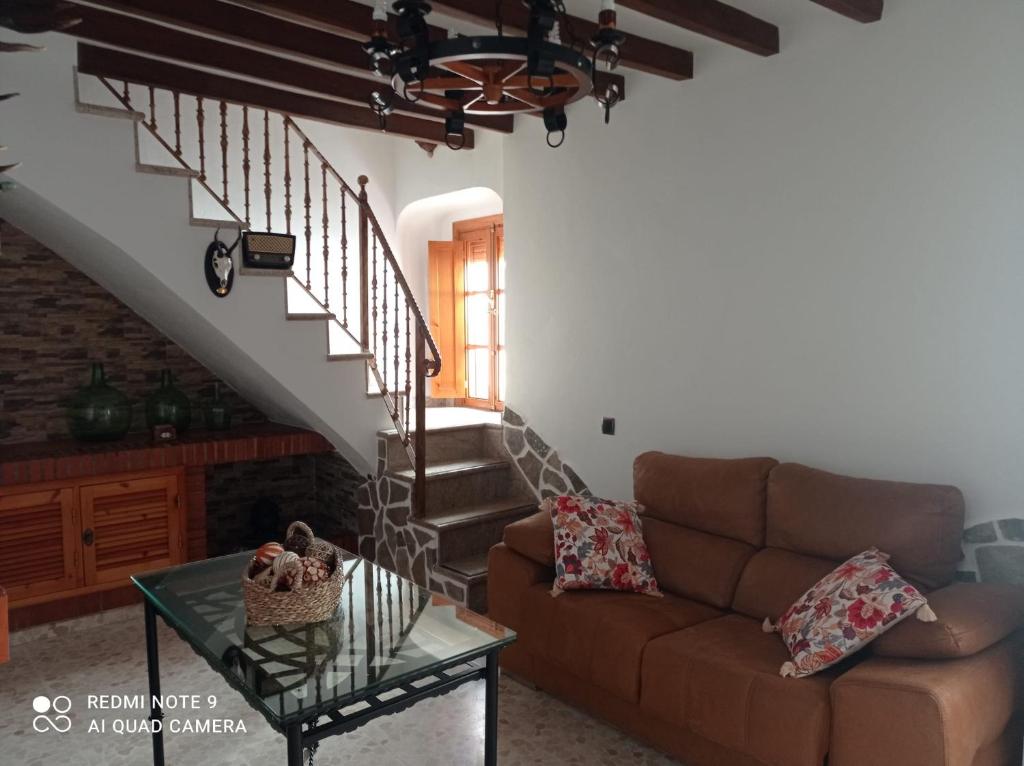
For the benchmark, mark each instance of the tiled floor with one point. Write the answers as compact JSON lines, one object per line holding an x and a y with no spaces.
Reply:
{"x":105,"y":654}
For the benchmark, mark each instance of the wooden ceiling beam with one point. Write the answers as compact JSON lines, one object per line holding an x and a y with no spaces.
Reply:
{"x":154,"y":39}
{"x":142,"y":70}
{"x":351,"y":19}
{"x":251,"y":27}
{"x":864,"y":11}
{"x":637,"y":52}
{"x":713,"y":19}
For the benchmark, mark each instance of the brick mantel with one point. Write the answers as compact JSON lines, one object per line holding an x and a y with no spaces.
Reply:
{"x":49,"y":461}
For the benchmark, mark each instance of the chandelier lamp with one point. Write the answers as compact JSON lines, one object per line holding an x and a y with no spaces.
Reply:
{"x":493,"y":74}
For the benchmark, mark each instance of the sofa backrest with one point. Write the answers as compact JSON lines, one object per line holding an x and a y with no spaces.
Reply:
{"x":817,"y":519}
{"x":703,"y":520}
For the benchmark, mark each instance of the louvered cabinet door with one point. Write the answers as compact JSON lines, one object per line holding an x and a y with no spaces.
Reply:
{"x":39,"y":541}
{"x":131,"y":526}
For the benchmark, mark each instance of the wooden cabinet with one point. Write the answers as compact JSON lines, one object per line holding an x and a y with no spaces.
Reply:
{"x":62,"y":538}
{"x":40,"y":547}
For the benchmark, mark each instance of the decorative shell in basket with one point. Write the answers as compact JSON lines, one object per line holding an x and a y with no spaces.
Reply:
{"x":282,"y":587}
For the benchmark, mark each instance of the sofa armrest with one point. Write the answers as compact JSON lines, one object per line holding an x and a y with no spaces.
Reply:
{"x":895,"y":712}
{"x":509,"y":575}
{"x":971,"y":618}
{"x":533,"y":537}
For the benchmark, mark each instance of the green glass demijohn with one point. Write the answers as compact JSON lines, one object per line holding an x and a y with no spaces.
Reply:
{"x":217,"y":412}
{"x":168,"y":405}
{"x":99,"y":412}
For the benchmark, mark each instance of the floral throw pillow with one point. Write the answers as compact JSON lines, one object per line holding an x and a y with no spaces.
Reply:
{"x":599,"y":546}
{"x":849,"y":607}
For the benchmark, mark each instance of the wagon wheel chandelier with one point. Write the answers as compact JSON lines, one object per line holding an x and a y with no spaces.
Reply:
{"x":493,"y":74}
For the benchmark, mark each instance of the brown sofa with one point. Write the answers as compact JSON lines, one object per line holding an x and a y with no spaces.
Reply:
{"x":733,"y":542}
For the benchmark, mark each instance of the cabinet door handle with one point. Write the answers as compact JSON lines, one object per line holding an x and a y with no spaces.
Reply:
{"x":88,"y":537}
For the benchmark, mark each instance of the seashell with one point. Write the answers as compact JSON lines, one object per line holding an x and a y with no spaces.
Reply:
{"x":267,"y":552}
{"x":322,"y":550}
{"x":314,"y":571}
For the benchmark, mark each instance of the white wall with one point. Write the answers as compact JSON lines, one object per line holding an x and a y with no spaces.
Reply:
{"x":431,"y":219}
{"x":818,"y":256}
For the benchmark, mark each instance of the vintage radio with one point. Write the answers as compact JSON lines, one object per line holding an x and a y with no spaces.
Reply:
{"x":267,"y":250}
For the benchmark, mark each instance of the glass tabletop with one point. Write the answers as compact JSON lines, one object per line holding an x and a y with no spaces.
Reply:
{"x":386,"y":631}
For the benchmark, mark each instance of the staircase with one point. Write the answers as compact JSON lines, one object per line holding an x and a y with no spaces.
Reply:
{"x":354,"y":329}
{"x":472,"y":491}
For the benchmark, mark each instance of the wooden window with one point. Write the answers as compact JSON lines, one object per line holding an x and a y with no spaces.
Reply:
{"x":467,"y":312}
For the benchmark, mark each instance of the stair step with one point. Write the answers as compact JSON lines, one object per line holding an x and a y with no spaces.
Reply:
{"x":454,"y":468}
{"x":248,"y":271}
{"x":480,"y":513}
{"x":165,"y":170}
{"x":216,"y":223}
{"x":471,"y":568}
{"x":355,"y":355}
{"x":109,"y":111}
{"x":310,"y":317}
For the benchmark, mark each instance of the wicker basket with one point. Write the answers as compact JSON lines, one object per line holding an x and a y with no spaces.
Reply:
{"x":312,"y":603}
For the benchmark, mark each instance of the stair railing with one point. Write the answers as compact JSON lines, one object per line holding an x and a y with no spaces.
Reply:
{"x":364,"y":295}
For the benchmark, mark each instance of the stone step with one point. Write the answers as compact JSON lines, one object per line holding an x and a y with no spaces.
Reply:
{"x":452,"y":443}
{"x":471,"y":574}
{"x":472,"y":529}
{"x":461,"y":483}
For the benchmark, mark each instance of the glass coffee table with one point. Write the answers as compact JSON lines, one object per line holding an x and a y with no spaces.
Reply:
{"x":391,"y":644}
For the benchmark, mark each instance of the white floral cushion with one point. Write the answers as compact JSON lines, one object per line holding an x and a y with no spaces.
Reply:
{"x":848,"y":608}
{"x":599,"y":546}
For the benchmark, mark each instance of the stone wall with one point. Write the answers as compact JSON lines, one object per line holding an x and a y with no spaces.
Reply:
{"x":994,"y":552}
{"x":55,"y":321}
{"x":538,"y":462}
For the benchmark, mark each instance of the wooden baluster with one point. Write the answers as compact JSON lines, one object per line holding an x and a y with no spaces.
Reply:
{"x":408,"y":362}
{"x":266,"y":164}
{"x":327,"y":250}
{"x":245,"y":160}
{"x":344,"y":260}
{"x":177,"y":124}
{"x":374,"y":272}
{"x":309,"y":227}
{"x":200,"y":121}
{"x":384,"y":325}
{"x":224,"y":148}
{"x":287,"y":179}
{"x":419,"y":495}
{"x":364,"y":276}
{"x":152,"y":108}
{"x":396,"y":383}
{"x":126,"y":93}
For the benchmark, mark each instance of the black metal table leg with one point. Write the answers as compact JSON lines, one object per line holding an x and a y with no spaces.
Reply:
{"x":295,"y":744}
{"x":156,"y":713}
{"x":491,"y":712}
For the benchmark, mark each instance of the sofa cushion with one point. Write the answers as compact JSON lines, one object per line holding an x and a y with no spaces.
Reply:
{"x":720,"y":679}
{"x":773,"y":579}
{"x":721,"y":497}
{"x":695,"y":564}
{"x":835,"y":517}
{"x":600,"y":635}
{"x":971,"y":618}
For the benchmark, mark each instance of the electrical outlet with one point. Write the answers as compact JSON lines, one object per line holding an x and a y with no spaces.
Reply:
{"x":608,"y":426}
